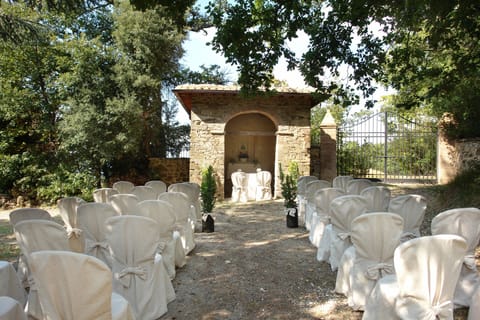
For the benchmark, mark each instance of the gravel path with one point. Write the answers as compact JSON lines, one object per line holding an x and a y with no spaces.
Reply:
{"x":254,"y":267}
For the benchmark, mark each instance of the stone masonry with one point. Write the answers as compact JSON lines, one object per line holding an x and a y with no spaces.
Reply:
{"x":211,"y":107}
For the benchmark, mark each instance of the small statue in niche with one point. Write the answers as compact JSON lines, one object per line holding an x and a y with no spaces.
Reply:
{"x":243,"y":154}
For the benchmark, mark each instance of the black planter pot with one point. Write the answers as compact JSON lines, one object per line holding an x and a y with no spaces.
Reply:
{"x":208,"y":224}
{"x":292,"y":217}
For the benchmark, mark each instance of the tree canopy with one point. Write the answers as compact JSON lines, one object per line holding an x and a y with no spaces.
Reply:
{"x":84,"y":91}
{"x":427,"y":50}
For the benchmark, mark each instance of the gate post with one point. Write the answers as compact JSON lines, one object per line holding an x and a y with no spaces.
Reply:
{"x":328,"y":148}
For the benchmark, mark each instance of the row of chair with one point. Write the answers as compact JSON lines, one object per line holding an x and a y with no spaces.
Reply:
{"x":140,"y":247}
{"x":357,"y":228}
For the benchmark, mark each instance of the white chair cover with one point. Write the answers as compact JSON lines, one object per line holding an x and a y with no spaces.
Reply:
{"x":170,"y":246}
{"x":102,"y":195}
{"x":321,"y":216}
{"x":411,"y":208}
{"x":124,"y":203}
{"x":157,"y":185}
{"x":22,"y":214}
{"x":356,"y":186}
{"x":144,"y":193}
{"x":310,"y":190}
{"x":336,"y":239}
{"x":341,"y":182}
{"x":10,"y":284}
{"x":68,"y":212}
{"x":91,"y":219}
{"x":374,"y":237}
{"x":426,"y":272}
{"x":464,"y":222}
{"x":33,"y":236}
{"x":474,"y":311}
{"x":183,"y":213}
{"x":86,"y":291}
{"x":264,"y":188}
{"x":378,"y":198}
{"x":239,"y":186}
{"x":123,"y":186}
{"x":133,"y":242}
{"x":192,"y":190}
{"x":11,"y":309}
{"x":301,"y":200}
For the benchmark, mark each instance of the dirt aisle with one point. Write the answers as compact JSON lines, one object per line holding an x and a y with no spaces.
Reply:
{"x":254,"y":267}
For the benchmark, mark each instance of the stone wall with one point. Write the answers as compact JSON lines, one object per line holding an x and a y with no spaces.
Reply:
{"x":169,"y":170}
{"x":455,"y":156}
{"x":211,"y":111}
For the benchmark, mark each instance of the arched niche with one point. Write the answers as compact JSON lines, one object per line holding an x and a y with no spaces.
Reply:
{"x":253,"y":135}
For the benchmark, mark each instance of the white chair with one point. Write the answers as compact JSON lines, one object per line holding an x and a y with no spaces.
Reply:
{"x":124,"y":203}
{"x":76,"y":286}
{"x":144,"y":193}
{"x":378,"y":198}
{"x":411,"y":208}
{"x":374,"y":237}
{"x":157,"y":185}
{"x":474,"y":310}
{"x":33,"y":236}
{"x":310,"y":189}
{"x":239,"y":186}
{"x":123,"y":186}
{"x":336,"y":239}
{"x":11,"y":309}
{"x":22,"y":214}
{"x":133,"y":242}
{"x":10,"y":284}
{"x":321,"y":216}
{"x":426,"y":272}
{"x":170,"y":246}
{"x":67,"y":208}
{"x":301,"y":199}
{"x":464,"y":222}
{"x":341,"y":182}
{"x":264,"y":188}
{"x":356,"y":186}
{"x":192,"y":190}
{"x":91,"y":219}
{"x":103,"y":194}
{"x":183,"y":213}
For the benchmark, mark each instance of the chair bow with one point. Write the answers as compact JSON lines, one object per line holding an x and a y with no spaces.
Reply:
{"x":343,"y":235}
{"x":443,"y":310}
{"x":91,"y":245}
{"x":74,"y":232}
{"x":469,"y":262}
{"x":125,"y":276}
{"x":376,"y":271}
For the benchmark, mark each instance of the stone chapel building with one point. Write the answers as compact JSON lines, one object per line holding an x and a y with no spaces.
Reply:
{"x":230,"y":132}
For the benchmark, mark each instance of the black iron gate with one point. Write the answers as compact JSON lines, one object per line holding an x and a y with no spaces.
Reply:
{"x":389,"y":147}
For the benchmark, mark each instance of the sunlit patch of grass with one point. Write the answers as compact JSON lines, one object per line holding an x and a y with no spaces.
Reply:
{"x":9,"y":250}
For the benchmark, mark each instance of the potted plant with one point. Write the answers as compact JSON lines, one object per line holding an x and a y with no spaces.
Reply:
{"x":208,"y":188}
{"x":288,"y":183}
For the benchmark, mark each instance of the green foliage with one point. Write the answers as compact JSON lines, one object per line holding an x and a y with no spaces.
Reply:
{"x":288,"y":182}
{"x":356,"y":159}
{"x":427,"y":50}
{"x":208,"y":188}
{"x":81,"y":92}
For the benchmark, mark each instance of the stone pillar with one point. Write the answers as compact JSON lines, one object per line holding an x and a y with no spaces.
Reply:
{"x":447,"y":156}
{"x":328,"y":148}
